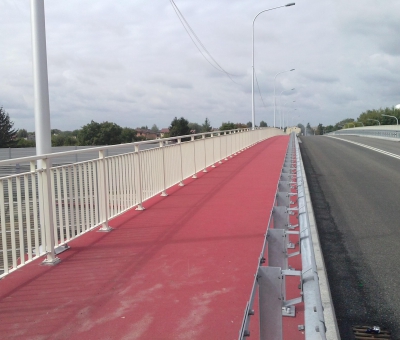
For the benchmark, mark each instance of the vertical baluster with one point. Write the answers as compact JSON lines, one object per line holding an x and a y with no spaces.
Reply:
{"x":103,"y":192}
{"x":139,"y":189}
{"x":28,"y":217}
{"x":6,"y":265}
{"x":20,"y":222}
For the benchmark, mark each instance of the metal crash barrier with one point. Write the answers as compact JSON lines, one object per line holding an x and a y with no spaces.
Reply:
{"x":272,"y":267}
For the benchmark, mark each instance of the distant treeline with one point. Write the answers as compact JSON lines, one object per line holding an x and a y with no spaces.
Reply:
{"x":368,"y":118}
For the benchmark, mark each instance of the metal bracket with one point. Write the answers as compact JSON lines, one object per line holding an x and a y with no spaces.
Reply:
{"x":288,"y":308}
{"x":281,"y":217}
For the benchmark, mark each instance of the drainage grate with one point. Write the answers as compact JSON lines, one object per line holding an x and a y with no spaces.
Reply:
{"x":370,"y":332}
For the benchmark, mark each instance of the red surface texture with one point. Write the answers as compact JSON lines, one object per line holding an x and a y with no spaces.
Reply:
{"x":181,"y":269}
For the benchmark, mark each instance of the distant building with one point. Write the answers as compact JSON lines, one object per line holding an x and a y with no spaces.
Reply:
{"x":146,"y":134}
{"x":294,"y":129}
{"x":163,"y":132}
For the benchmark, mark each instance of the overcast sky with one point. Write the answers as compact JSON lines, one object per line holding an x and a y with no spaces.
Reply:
{"x":132,"y":62}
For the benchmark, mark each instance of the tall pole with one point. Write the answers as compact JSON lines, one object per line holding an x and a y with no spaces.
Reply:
{"x":252,"y":82}
{"x":40,"y":79}
{"x":275,"y":93}
{"x":280,"y":105}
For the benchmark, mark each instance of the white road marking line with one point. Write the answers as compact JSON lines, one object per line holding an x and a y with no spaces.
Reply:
{"x":369,"y":147}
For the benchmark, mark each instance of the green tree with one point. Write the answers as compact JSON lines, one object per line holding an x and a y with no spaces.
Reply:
{"x":128,"y":135}
{"x":22,"y":133}
{"x":7,"y":133}
{"x":179,"y":127}
{"x":263,"y":124}
{"x":24,"y":143}
{"x":155,"y":128}
{"x":319,"y":130}
{"x":206,"y":127}
{"x":241,"y":126}
{"x":249,"y":124}
{"x":105,"y":133}
{"x":196,"y":127}
{"x":55,"y":131}
{"x":63,"y":139}
{"x":302,"y":128}
{"x":309,"y":129}
{"x":227,"y":126}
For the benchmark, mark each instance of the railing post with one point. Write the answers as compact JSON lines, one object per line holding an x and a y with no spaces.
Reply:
{"x":213,"y":142}
{"x":104,"y":192}
{"x":140,"y":205}
{"x":220,"y":148}
{"x":226,"y":145}
{"x":48,"y":226}
{"x":205,"y":153}
{"x":181,"y":159}
{"x":164,"y":192}
{"x":194,"y":156}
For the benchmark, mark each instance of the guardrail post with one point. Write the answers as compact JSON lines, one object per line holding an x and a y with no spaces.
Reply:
{"x":104,"y":193}
{"x":48,"y":226}
{"x":164,"y":192}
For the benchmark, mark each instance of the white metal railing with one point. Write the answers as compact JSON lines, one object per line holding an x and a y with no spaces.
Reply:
{"x":391,"y":132}
{"x":41,"y":210}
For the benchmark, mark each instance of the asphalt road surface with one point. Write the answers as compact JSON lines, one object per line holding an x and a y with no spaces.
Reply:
{"x":356,"y":194}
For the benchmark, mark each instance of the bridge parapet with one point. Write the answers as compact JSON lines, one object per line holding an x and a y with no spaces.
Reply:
{"x":391,"y":132}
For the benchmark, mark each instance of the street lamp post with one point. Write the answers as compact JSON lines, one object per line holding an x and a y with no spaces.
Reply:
{"x":252,"y":83}
{"x":274,"y":92}
{"x":375,"y":120}
{"x":392,"y":117}
{"x":40,"y":79}
{"x":280,"y":105}
{"x":287,"y":119}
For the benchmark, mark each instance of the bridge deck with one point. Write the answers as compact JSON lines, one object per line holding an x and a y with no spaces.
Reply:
{"x":181,"y":269}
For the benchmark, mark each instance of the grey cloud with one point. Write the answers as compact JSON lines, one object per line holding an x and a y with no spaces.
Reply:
{"x":133,"y":63}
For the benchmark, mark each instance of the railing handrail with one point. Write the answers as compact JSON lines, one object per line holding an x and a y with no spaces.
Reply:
{"x":116,"y":146}
{"x":370,"y":127}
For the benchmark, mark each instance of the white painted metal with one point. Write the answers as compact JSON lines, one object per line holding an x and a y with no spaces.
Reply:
{"x":40,"y":79}
{"x":82,"y":196}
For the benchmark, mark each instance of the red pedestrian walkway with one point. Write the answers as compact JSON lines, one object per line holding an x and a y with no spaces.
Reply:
{"x":181,"y":269}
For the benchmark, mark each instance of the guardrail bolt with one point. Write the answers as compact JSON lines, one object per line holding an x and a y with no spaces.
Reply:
{"x":251,"y":312}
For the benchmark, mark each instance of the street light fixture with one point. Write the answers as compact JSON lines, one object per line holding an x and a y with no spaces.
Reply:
{"x":274,"y":92}
{"x":252,"y":83}
{"x":392,"y":117}
{"x":376,"y":120}
{"x":280,"y":106}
